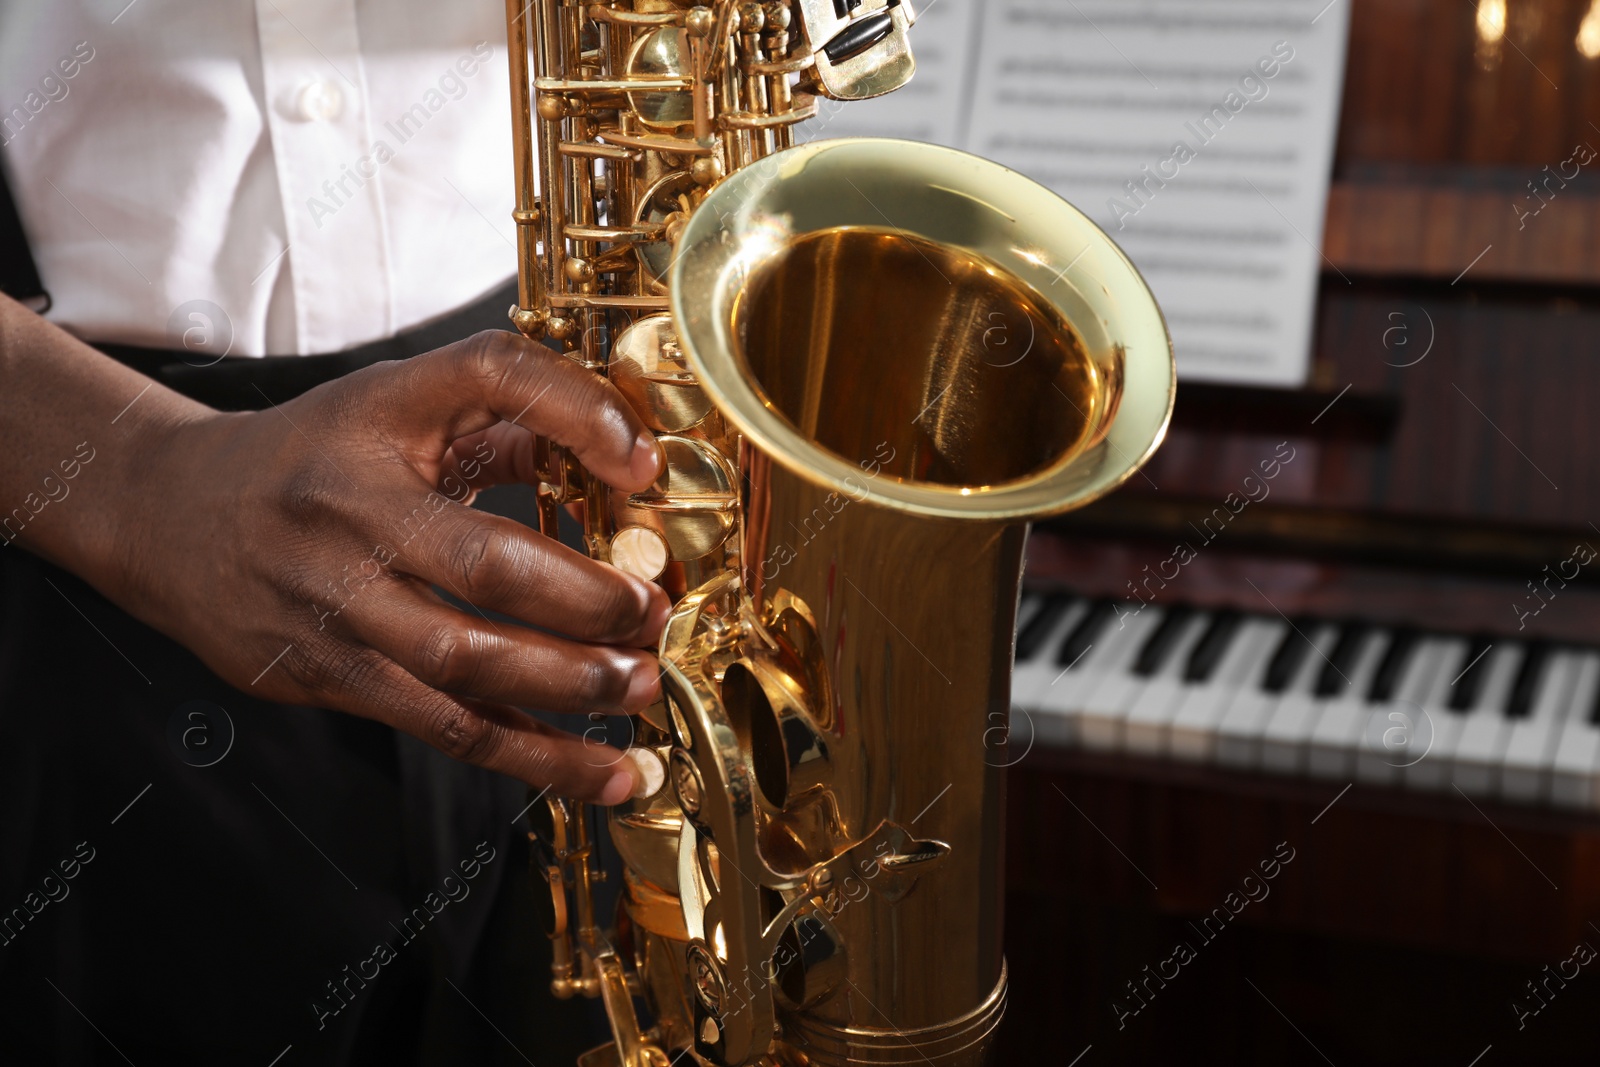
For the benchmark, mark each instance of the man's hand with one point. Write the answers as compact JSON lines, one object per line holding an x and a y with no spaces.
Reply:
{"x":295,"y":550}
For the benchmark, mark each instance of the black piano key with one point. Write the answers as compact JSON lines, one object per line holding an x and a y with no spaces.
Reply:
{"x":1159,"y":646}
{"x":1396,"y":658}
{"x":1334,"y":678}
{"x":1470,"y":674}
{"x":1290,"y":653}
{"x":1534,"y":662}
{"x":1031,"y":638}
{"x":1206,"y":656}
{"x":1086,"y":632}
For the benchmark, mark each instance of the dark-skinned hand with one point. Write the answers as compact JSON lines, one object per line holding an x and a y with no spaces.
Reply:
{"x":296,"y":550}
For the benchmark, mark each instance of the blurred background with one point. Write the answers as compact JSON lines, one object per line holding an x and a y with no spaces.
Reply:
{"x":1350,"y":617}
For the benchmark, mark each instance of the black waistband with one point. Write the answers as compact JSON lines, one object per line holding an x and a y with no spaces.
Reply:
{"x":249,"y":384}
{"x":19,"y":276}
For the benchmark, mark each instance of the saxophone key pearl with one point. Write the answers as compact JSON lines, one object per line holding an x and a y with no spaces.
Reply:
{"x":639,"y":551}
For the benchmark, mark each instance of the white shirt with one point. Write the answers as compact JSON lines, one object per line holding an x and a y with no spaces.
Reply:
{"x":314,"y":174}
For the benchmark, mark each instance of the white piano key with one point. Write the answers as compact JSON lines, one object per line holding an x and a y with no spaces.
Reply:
{"x":1575,"y":774}
{"x":1192,"y":733}
{"x":1033,"y":675}
{"x":1475,"y":763}
{"x":1286,"y":741}
{"x":1241,"y":731}
{"x":1443,"y":726}
{"x":1104,"y":711}
{"x":1144,"y":732}
{"x":1238,"y":737}
{"x":1330,"y":747}
{"x":1395,"y":728}
{"x":1531,"y":747}
{"x":1057,"y":705}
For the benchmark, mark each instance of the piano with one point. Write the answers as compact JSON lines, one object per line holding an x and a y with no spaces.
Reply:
{"x":1348,"y":701}
{"x":1387,"y":664}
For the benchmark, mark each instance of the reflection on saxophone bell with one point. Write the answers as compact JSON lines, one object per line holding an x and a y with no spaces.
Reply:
{"x":869,"y":364}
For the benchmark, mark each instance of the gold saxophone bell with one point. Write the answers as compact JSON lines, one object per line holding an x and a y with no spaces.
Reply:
{"x":870,"y":364}
{"x":921,"y":351}
{"x":849,"y":293}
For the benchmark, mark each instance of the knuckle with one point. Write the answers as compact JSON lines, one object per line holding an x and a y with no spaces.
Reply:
{"x":359,"y":672}
{"x":295,"y":572}
{"x":618,"y":611}
{"x":335,"y":668}
{"x":479,"y":558}
{"x":347,"y":403}
{"x":484,"y":350}
{"x":496,"y":357}
{"x":600,"y":680}
{"x":308,"y":494}
{"x":303,"y":669}
{"x":581,"y":408}
{"x":597,"y":413}
{"x":463,"y":734}
{"x":534,"y":569}
{"x":446,"y":659}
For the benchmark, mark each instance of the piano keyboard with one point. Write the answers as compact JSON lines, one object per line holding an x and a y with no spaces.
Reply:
{"x":1491,"y":717}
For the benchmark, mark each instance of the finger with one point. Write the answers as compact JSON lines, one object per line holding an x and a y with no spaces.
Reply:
{"x":469,"y":386}
{"x":502,"y":565}
{"x":496,"y":737}
{"x":501,"y":455}
{"x":471,"y":656}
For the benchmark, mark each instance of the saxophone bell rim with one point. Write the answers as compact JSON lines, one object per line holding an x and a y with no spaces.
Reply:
{"x":1006,"y":218}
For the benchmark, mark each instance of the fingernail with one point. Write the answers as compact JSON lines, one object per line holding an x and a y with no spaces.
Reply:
{"x":652,"y":772}
{"x":620,"y":786}
{"x":644,"y":686}
{"x":646,"y":463}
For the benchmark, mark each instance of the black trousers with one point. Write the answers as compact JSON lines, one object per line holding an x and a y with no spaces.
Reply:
{"x":190,"y":875}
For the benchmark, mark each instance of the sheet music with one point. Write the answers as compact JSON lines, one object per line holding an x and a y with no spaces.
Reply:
{"x":1198,"y":133}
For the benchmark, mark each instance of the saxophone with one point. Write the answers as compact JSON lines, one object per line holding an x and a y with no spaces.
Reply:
{"x":870,"y":364}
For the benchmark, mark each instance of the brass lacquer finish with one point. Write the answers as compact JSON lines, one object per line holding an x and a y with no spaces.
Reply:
{"x":938,"y":376}
{"x":921,"y":673}
{"x":869,"y":364}
{"x":1073,"y":288}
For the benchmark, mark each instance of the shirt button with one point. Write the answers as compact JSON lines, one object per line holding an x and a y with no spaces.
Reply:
{"x":319,"y":101}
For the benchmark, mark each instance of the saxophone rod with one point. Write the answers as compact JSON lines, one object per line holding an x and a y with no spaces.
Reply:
{"x":529,"y":298}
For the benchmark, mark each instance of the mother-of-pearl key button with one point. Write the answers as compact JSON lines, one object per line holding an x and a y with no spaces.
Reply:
{"x":319,"y":101}
{"x":639,"y":551}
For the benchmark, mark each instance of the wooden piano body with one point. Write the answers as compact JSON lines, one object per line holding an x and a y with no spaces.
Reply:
{"x":1444,"y":471}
